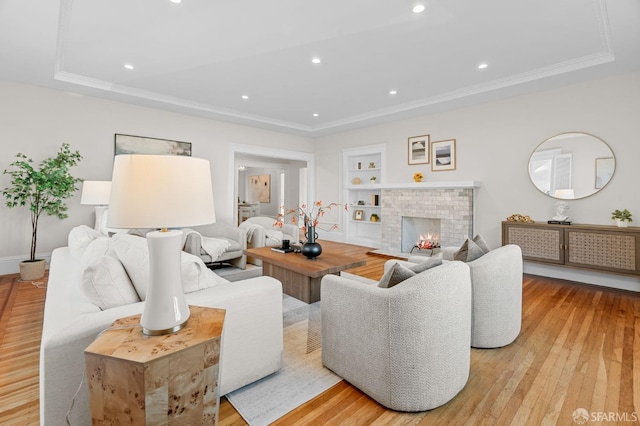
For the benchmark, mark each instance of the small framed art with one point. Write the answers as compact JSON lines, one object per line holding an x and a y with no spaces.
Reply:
{"x":418,"y":147}
{"x":443,"y":154}
{"x":358,"y":215}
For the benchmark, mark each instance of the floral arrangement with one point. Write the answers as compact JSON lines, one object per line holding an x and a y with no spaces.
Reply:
{"x":417,"y":176}
{"x":308,"y":215}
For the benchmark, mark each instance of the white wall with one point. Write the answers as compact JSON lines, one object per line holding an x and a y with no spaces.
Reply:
{"x":37,"y":121}
{"x":494,"y":142}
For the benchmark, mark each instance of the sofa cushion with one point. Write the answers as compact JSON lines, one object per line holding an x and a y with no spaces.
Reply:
{"x":395,"y":275}
{"x":79,"y":239}
{"x":469,"y":251}
{"x":401,"y":270}
{"x":106,"y":283}
{"x":133,"y":252}
{"x":428,"y":263}
{"x":481,"y":243}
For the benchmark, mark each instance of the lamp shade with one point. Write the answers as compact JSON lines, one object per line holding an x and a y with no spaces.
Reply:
{"x":95,"y":192}
{"x":566,"y":194}
{"x":160,"y":191}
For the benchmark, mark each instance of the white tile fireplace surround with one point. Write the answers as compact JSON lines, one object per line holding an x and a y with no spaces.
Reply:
{"x":451,"y":202}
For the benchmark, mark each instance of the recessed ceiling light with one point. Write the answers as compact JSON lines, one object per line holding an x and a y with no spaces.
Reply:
{"x":315,"y":60}
{"x":482,"y":66}
{"x":393,"y":92}
{"x":418,"y":8}
{"x":315,"y":114}
{"x":128,"y":66}
{"x":176,"y":1}
{"x":245,"y":97}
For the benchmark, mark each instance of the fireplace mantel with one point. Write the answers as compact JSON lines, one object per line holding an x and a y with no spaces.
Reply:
{"x":431,"y":185}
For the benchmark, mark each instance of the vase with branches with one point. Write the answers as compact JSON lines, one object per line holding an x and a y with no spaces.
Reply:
{"x":42,"y":189}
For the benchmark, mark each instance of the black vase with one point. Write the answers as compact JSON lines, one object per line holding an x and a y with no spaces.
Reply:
{"x":311,"y":249}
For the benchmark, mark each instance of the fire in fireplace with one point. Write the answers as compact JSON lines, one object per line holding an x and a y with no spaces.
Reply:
{"x":427,"y":242}
{"x":420,"y":233}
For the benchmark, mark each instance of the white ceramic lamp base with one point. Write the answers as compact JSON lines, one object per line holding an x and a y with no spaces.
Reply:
{"x":165,"y":309}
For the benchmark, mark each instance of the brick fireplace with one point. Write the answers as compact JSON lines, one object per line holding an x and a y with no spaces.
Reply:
{"x":453,"y":207}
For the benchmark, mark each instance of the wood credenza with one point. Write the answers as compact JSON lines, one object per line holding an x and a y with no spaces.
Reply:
{"x":594,"y":247}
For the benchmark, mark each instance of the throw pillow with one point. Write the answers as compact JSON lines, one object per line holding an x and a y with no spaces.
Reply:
{"x":468,"y":252}
{"x":428,"y":263}
{"x":133,"y":252}
{"x":395,"y":275}
{"x":481,"y":243}
{"x":79,"y":239}
{"x":107,"y":285}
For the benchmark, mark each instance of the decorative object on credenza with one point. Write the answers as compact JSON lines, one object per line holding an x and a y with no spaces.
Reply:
{"x":622,"y":218}
{"x":311,"y":249}
{"x":162,"y":192}
{"x":128,"y":144}
{"x":561,"y":211}
{"x":418,"y":148}
{"x":41,"y":190}
{"x":418,"y":177}
{"x":443,"y":154}
{"x":96,"y":193}
{"x":519,"y":218}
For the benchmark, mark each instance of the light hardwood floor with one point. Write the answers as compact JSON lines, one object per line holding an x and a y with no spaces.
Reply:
{"x":577,"y":349}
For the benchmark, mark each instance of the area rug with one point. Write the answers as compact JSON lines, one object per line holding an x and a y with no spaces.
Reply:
{"x":302,"y":376}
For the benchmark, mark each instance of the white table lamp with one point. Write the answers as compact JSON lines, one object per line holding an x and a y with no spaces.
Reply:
{"x":565,"y":194}
{"x":96,"y":193}
{"x":162,"y":191}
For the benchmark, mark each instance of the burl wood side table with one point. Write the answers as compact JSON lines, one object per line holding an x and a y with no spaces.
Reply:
{"x":172,"y":379}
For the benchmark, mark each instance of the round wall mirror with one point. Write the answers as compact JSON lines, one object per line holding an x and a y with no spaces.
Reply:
{"x":571,"y":165}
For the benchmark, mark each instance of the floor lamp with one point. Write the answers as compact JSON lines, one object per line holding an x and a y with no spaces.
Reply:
{"x":161,"y":192}
{"x":96,"y":193}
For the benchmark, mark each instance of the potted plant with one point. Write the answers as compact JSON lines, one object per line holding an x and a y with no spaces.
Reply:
{"x":622,"y":217}
{"x":372,"y":179}
{"x":42,"y":190}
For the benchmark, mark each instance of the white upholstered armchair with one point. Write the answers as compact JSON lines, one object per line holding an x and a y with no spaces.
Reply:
{"x":233,"y":251}
{"x":407,"y":347}
{"x":261,"y":232}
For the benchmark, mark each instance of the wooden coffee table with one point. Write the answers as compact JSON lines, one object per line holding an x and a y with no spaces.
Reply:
{"x":300,"y":276}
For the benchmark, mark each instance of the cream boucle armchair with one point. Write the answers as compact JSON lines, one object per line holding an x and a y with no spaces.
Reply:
{"x":496,"y":286}
{"x":407,"y":347}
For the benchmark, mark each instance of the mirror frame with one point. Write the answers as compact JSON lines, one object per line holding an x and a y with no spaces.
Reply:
{"x":596,"y":187}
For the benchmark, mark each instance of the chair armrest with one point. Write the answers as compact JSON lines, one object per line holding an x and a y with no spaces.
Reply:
{"x":220,"y":229}
{"x":258,"y":238}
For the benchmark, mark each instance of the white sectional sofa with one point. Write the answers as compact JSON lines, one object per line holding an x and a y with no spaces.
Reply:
{"x":252,"y":337}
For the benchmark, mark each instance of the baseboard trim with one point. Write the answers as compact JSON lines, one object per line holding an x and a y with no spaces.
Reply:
{"x":11,"y":264}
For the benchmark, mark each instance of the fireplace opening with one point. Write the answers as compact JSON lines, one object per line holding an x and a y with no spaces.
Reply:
{"x":420,"y":233}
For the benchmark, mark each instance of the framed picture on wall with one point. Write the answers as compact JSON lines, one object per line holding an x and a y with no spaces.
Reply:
{"x":128,"y":144}
{"x":418,"y":147}
{"x":358,"y":215}
{"x":260,"y":188}
{"x":443,"y":154}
